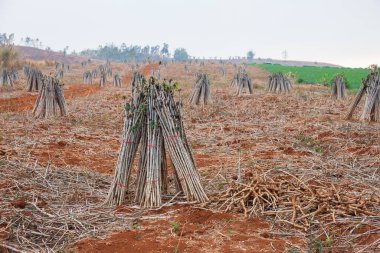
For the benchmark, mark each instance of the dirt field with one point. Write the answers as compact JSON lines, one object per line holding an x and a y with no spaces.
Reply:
{"x":302,"y":133}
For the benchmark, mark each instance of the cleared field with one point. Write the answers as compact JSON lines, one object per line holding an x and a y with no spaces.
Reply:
{"x":296,"y":147}
{"x":320,"y":75}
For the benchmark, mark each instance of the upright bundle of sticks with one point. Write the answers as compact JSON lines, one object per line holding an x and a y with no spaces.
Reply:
{"x":6,"y":77}
{"x":62,"y":66}
{"x":14,"y":74}
{"x":66,"y":67}
{"x":109,"y":71}
{"x":242,"y":82}
{"x":59,"y":73}
{"x":34,"y":81}
{"x":87,"y":77}
{"x":279,"y":83}
{"x":201,"y":91}
{"x":26,"y":69}
{"x":371,"y":87}
{"x":136,"y":82}
{"x":102,"y":68}
{"x":116,"y":80}
{"x":103,"y":78}
{"x":153,"y":122}
{"x":338,"y":90}
{"x":50,"y":101}
{"x":94,"y":73}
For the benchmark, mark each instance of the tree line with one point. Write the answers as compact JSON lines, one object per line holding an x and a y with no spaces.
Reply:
{"x":6,"y":39}
{"x":135,"y":52}
{"x":117,"y":53}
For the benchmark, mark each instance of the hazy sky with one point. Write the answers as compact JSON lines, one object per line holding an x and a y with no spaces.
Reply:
{"x":344,"y":32}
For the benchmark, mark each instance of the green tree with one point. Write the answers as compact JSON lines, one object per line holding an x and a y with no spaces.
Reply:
{"x":155,"y":50}
{"x":180,"y":54}
{"x":7,"y":40}
{"x":8,"y":57}
{"x":165,"y":50}
{"x":250,"y":55}
{"x":27,"y":41}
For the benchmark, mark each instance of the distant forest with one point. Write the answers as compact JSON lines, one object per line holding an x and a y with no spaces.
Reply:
{"x":116,"y":53}
{"x":134,"y":53}
{"x":109,"y":51}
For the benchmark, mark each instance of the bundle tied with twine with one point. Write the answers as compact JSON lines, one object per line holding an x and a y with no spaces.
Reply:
{"x":34,"y":81}
{"x":50,"y":101}
{"x":279,"y":83}
{"x":153,"y":121}
{"x":242,"y":82}
{"x":370,"y":87}
{"x":201,"y":92}
{"x":338,"y":88}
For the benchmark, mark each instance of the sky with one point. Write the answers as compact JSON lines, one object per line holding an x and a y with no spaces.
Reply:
{"x":344,"y":32}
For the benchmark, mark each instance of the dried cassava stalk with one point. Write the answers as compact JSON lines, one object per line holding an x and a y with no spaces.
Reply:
{"x":370,"y":87}
{"x":338,"y":89}
{"x":50,"y":101}
{"x":109,"y":71}
{"x":103,"y":78}
{"x":95,"y":73}
{"x":289,"y":199}
{"x":279,"y":83}
{"x":134,"y":116}
{"x":26,"y":69}
{"x":7,"y":77}
{"x":116,"y":80}
{"x":153,"y":122}
{"x":59,"y":73}
{"x":136,"y":83}
{"x":87,"y":77}
{"x":242,"y":82}
{"x":34,"y":81}
{"x":201,"y":91}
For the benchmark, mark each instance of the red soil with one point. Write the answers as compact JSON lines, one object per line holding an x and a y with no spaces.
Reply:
{"x":62,"y":153}
{"x":89,"y":138}
{"x":200,"y":230}
{"x":126,"y":79}
{"x":26,"y":102}
{"x":145,"y":70}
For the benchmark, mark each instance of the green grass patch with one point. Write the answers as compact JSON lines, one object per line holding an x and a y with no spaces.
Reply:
{"x":319,"y":75}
